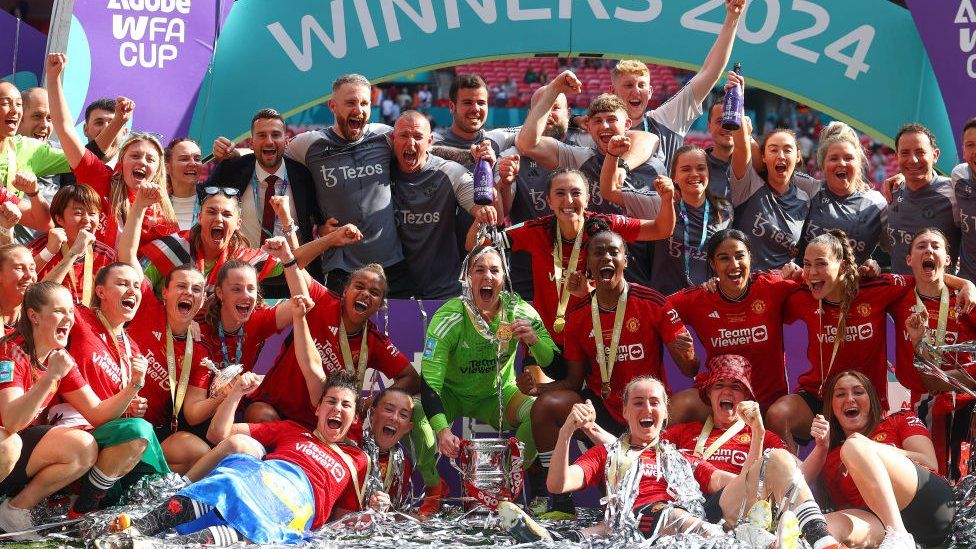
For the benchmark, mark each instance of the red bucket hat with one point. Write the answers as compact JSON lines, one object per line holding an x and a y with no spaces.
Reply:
{"x":725,"y":367}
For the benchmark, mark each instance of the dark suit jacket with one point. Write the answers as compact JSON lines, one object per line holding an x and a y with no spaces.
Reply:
{"x":237,"y":173}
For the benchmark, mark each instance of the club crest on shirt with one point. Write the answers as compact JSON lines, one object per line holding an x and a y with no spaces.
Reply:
{"x":864,"y":309}
{"x":758,"y":306}
{"x":633,"y":324}
{"x":744,"y":438}
{"x":880,"y":437}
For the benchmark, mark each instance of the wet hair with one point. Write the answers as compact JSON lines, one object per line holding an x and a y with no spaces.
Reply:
{"x":38,"y":295}
{"x":970,"y":124}
{"x":390,"y":390}
{"x":465,"y":82}
{"x":118,"y":194}
{"x":606,"y":102}
{"x":932,"y":230}
{"x":374,"y":268}
{"x":237,"y":239}
{"x":80,"y":193}
{"x":720,"y":237}
{"x":629,"y":66}
{"x":561,"y":172}
{"x":101,"y":104}
{"x":915,"y":127}
{"x":101,"y":279}
{"x":181,"y":268}
{"x":642,"y":379}
{"x":717,"y":204}
{"x":343,"y":380}
{"x":764,"y":171}
{"x":213,"y":305}
{"x":840,"y":248}
{"x":352,"y":78}
{"x":839,"y":132}
{"x":8,"y":250}
{"x":837,"y":435}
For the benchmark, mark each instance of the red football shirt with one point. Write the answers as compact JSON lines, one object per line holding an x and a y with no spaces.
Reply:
{"x":752,"y":328}
{"x":102,"y":256}
{"x":96,"y":355}
{"x":148,"y":330}
{"x":97,"y":175}
{"x":260,"y":326}
{"x":649,"y":321}
{"x":958,"y":329}
{"x":23,"y":375}
{"x":892,"y":431}
{"x":731,"y":456}
{"x":652,"y":489}
{"x":863,"y":347}
{"x":284,"y":386}
{"x":537,"y":237}
{"x":327,"y":471}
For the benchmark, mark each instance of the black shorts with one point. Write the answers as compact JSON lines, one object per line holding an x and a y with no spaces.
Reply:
{"x":713,"y":509}
{"x":928,"y":517}
{"x":557,"y":369}
{"x":17,"y":479}
{"x":603,"y":417}
{"x":816,"y":405}
{"x":648,"y":516}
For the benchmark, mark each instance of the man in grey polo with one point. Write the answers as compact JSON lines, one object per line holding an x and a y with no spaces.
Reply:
{"x":350,"y":162}
{"x":427,"y":190}
{"x":925,"y":200}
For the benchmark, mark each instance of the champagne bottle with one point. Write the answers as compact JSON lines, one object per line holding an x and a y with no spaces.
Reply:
{"x":483,"y":183}
{"x":732,"y":104}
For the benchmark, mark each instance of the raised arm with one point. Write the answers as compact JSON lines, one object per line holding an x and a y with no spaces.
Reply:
{"x":530,"y":140}
{"x":146,"y":196}
{"x":718,"y":57}
{"x":108,"y":137}
{"x":741,"y":146}
{"x":78,"y":249}
{"x":662,"y":226}
{"x":74,"y":149}
{"x":35,"y":212}
{"x":222,"y":425}
{"x":307,"y":355}
{"x":612,"y":177}
{"x":564,"y":477}
{"x":346,"y":234}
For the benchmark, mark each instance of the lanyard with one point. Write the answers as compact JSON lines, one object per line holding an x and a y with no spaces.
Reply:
{"x":561,"y":275}
{"x":239,"y":333}
{"x":620,"y":462}
{"x":606,"y":362}
{"x":706,"y":453}
{"x":687,"y":234}
{"x":196,"y":213}
{"x":123,"y":359}
{"x":350,"y":465}
{"x":254,"y":187}
{"x":178,"y":392}
{"x":86,"y":276}
{"x":940,"y":329}
{"x":837,"y":339}
{"x":360,"y":368}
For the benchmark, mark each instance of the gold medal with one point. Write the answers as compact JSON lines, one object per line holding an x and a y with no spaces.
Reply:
{"x":504,"y":332}
{"x":559,"y":324}
{"x":605,"y":391}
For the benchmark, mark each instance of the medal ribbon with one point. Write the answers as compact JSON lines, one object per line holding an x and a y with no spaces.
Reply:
{"x":561,"y":274}
{"x":178,"y":392}
{"x":940,"y":329}
{"x":481,"y":325}
{"x":349,"y":463}
{"x":607,"y":362}
{"x":687,"y":234}
{"x":86,"y":275}
{"x":123,"y":359}
{"x":620,"y":461}
{"x":833,"y":354}
{"x":706,"y":453}
{"x":239,"y":333}
{"x":360,"y":368}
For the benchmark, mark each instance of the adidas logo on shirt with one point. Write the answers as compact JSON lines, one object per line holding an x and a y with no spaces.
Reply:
{"x":334,"y":329}
{"x":159,"y":335}
{"x":714,"y":315}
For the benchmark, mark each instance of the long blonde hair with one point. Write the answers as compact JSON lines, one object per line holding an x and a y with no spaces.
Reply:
{"x":839,"y":132}
{"x":118,"y":197}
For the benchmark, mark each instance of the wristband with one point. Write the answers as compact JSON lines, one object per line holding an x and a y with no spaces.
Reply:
{"x":137,"y":386}
{"x":32,"y":195}
{"x":292,"y":263}
{"x":45,"y":255}
{"x":613,"y":155}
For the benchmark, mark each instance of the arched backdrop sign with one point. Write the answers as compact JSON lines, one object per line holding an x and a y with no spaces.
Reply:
{"x":860,"y":61}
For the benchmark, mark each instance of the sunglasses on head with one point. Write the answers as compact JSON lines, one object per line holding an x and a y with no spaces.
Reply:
{"x":226,"y":191}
